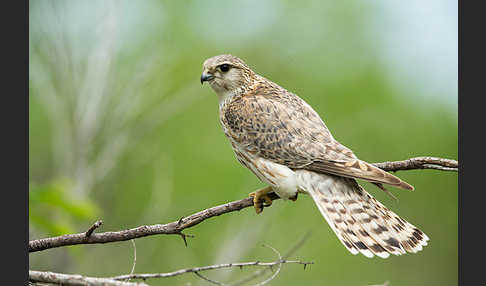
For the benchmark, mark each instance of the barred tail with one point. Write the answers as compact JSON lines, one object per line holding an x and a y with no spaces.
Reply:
{"x":360,"y":222}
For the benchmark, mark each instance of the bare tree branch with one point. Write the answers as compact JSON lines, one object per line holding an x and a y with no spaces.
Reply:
{"x":76,"y":280}
{"x":196,"y":270}
{"x":206,"y":268}
{"x":177,"y":227}
{"x":420,"y":163}
{"x":70,"y":279}
{"x":123,"y":280}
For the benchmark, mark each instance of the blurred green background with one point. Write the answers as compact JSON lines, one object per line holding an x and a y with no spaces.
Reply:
{"x":122,"y":130}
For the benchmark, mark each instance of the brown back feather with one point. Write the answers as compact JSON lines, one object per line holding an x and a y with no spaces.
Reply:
{"x":277,"y":125}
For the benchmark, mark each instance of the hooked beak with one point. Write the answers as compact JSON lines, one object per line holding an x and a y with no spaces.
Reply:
{"x":206,"y":77}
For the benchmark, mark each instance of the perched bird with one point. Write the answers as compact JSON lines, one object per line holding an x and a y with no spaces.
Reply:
{"x":284,"y":142}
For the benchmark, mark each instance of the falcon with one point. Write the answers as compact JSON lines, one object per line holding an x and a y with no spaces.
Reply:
{"x":285,"y":143}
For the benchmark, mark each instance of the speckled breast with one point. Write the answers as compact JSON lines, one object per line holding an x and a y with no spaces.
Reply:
{"x":246,"y":158}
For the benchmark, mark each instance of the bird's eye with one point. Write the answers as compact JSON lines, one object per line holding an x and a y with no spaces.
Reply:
{"x":224,"y":67}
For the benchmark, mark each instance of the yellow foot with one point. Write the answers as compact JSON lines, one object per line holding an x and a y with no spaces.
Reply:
{"x":260,"y":197}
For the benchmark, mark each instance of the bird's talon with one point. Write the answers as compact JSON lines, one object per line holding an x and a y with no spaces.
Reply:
{"x":261,"y":199}
{"x":258,"y":209}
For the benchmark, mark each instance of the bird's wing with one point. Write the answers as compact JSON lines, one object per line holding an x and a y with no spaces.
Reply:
{"x":277,"y":125}
{"x":358,"y":169}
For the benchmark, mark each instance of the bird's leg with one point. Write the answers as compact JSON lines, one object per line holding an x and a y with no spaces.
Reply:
{"x":261,"y":196}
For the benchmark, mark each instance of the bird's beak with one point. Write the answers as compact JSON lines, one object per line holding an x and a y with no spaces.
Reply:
{"x":206,"y":77}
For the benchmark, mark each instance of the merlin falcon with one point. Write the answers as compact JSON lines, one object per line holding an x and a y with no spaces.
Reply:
{"x":285,"y":143}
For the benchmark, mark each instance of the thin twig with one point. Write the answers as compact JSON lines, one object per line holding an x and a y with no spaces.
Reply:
{"x":76,"y":280}
{"x":290,"y":252}
{"x":93,"y":227}
{"x":134,"y":258}
{"x":206,"y":268}
{"x":177,"y":227}
{"x":209,"y":280}
{"x":278,"y":269}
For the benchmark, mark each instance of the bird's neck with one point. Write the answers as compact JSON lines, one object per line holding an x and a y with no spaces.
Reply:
{"x":228,"y":95}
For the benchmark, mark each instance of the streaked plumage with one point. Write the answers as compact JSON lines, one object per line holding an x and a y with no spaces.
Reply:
{"x":285,"y":143}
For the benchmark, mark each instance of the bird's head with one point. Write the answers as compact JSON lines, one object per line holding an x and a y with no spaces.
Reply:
{"x":226,"y":74}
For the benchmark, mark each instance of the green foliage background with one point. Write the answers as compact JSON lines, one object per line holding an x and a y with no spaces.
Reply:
{"x":122,"y":130}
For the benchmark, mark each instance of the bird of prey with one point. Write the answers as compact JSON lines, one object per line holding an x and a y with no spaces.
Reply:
{"x":284,"y":142}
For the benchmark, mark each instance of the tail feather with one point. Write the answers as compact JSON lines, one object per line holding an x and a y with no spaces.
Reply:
{"x":361,"y":223}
